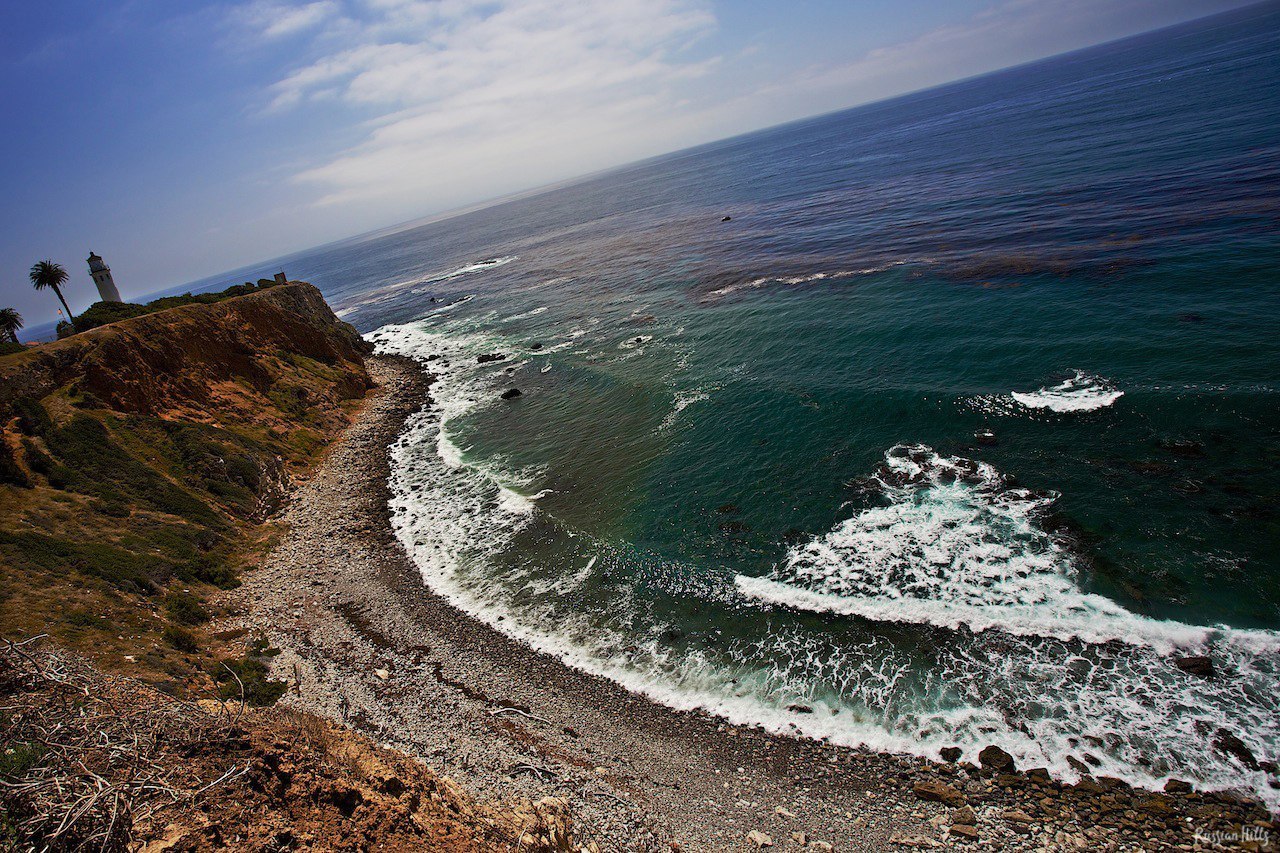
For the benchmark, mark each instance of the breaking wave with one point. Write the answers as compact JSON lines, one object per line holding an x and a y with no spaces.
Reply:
{"x":1081,"y":393}
{"x":478,"y":266}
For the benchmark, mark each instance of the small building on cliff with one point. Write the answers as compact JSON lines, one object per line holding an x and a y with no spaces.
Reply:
{"x":102,"y":278}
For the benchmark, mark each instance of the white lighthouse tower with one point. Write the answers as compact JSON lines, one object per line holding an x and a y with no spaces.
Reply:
{"x":102,"y":277}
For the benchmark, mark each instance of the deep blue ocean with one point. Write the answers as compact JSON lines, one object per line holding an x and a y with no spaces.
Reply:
{"x":948,"y":420}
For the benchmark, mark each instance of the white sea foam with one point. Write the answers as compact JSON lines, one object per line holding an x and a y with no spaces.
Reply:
{"x":635,"y":341}
{"x":1081,"y":393}
{"x":684,"y":399}
{"x":956,"y":546}
{"x":455,"y":304}
{"x":525,"y":315}
{"x":793,"y":280}
{"x":478,"y":266}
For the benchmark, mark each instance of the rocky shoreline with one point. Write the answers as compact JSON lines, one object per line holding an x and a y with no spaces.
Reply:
{"x":365,"y":643}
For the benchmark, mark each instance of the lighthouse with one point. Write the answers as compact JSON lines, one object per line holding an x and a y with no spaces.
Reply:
{"x":102,"y":277}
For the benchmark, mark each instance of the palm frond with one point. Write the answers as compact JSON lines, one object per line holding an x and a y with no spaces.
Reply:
{"x":46,"y":273}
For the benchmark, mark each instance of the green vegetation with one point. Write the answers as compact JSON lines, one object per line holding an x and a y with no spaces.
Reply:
{"x":247,"y":676}
{"x":17,"y":758}
{"x":102,"y":313}
{"x":181,"y":639}
{"x":185,"y":609}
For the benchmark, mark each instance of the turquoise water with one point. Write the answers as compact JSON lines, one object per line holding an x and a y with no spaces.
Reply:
{"x":958,"y":431}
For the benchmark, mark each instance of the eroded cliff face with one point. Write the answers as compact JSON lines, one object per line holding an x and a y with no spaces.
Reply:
{"x":137,"y":461}
{"x":175,"y":362}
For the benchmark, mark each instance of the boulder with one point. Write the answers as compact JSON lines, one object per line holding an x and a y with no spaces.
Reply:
{"x":951,"y":754}
{"x":962,"y":830}
{"x":511,"y":394}
{"x":759,"y":839}
{"x":938,"y":792}
{"x":995,"y":758}
{"x":964,"y":816}
{"x":1228,"y":743}
{"x":1196,"y":665}
{"x":1177,"y":786}
{"x":490,"y":356}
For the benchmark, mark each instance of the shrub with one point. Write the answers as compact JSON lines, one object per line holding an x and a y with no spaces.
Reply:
{"x":18,"y":759}
{"x":101,"y":313}
{"x":251,"y":670}
{"x":9,"y":348}
{"x":181,"y":639}
{"x":10,"y":471}
{"x":27,"y":551}
{"x":184,"y":608}
{"x":33,"y":417}
{"x":94,"y":464}
{"x":82,"y":618}
{"x":209,"y":569}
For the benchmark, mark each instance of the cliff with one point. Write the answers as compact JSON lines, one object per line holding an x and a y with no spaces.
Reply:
{"x":176,"y":360}
{"x":139,"y":460}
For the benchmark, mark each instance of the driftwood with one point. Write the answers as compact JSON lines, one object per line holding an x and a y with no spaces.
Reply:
{"x":81,"y":760}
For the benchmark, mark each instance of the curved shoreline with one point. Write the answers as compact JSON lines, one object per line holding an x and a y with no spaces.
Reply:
{"x":346,"y":604}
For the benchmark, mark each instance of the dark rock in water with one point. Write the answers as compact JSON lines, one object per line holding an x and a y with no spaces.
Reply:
{"x":1149,"y":467}
{"x":1228,"y":743}
{"x":951,"y":753}
{"x":1183,"y":447}
{"x":726,"y":219}
{"x":995,"y":758}
{"x":986,"y":438}
{"x":800,"y":709}
{"x":490,"y":356}
{"x":1079,"y":766}
{"x":511,"y":394}
{"x":535,"y":346}
{"x":1177,"y":786}
{"x":727,"y":509}
{"x":1196,"y":665}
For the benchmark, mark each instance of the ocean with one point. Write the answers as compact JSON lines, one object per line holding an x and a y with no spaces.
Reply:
{"x":949,"y":420}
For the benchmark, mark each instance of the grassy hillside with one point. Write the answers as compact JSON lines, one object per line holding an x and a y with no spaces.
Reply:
{"x":140,"y":460}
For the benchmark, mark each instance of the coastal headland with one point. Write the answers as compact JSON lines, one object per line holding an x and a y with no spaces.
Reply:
{"x":203,"y":491}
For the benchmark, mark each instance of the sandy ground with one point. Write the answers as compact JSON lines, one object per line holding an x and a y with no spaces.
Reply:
{"x":365,"y":642}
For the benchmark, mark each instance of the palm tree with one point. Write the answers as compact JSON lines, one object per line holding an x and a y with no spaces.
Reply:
{"x":48,"y":274}
{"x":10,"y":322}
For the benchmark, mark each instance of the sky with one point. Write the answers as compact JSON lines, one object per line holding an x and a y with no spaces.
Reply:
{"x":181,"y":140}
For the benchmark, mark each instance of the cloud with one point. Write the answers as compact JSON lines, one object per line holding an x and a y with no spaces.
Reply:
{"x":272,"y":20}
{"x":439,"y":103}
{"x":487,"y":91}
